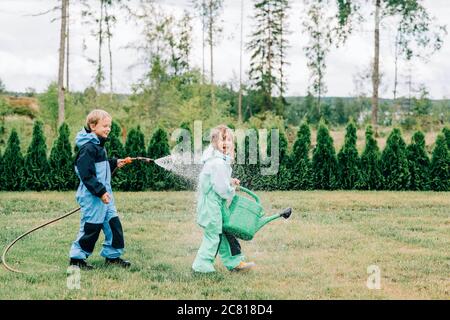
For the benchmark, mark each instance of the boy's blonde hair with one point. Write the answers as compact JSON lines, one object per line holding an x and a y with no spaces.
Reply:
{"x":95,"y":116}
{"x":220,"y":133}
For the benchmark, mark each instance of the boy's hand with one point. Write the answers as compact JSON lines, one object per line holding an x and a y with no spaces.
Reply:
{"x":106,"y":198}
{"x":122,"y":162}
{"x":235,"y":183}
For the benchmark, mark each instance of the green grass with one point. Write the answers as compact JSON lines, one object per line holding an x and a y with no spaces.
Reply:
{"x":322,"y":252}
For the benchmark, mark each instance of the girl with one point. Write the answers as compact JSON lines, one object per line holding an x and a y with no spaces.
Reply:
{"x":216,"y":187}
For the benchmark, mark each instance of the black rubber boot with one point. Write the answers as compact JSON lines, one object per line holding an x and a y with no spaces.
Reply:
{"x":82,"y":264}
{"x":286,"y":213}
{"x":119,"y":262}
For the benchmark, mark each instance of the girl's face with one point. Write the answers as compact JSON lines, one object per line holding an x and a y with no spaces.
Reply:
{"x":102,"y":128}
{"x":225,"y":144}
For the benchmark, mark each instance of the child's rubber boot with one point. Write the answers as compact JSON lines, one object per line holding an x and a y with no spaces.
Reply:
{"x":118,"y":262}
{"x":243,"y":266}
{"x":82,"y":264}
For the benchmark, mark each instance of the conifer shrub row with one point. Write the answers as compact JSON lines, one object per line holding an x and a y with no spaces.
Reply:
{"x":398,"y":167}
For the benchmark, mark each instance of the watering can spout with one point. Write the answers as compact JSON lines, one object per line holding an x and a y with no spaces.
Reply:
{"x":286,"y":213}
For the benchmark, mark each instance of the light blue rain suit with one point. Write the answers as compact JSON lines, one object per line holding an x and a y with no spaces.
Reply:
{"x":213,"y":192}
{"x":94,"y":170}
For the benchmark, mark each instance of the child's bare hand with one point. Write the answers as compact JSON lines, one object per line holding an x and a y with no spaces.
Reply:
{"x":235,"y":183}
{"x":122,"y":162}
{"x":106,"y":198}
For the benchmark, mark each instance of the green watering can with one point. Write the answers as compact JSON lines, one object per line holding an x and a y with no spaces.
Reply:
{"x":244,"y":217}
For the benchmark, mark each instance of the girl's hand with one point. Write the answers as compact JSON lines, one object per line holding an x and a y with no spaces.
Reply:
{"x":122,"y":162}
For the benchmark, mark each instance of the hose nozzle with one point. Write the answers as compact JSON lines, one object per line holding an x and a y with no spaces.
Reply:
{"x":129,"y":160}
{"x":144,"y":159}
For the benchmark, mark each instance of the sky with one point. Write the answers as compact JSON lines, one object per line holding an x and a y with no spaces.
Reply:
{"x":29,"y":51}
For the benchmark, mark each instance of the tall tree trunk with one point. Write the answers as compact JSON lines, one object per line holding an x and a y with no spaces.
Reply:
{"x":396,"y":65}
{"x":409,"y":88}
{"x":376,"y":67}
{"x":203,"y":41}
{"x":202,"y":88}
{"x":319,"y":71}
{"x":110,"y":68}
{"x":67,"y":46}
{"x":109,"y":35}
{"x":281,"y":104}
{"x":269,"y":58}
{"x":99,"y":76}
{"x":211,"y":51}
{"x":62,"y":46}
{"x":240,"y":64}
{"x":282,"y":49}
{"x":319,"y":92}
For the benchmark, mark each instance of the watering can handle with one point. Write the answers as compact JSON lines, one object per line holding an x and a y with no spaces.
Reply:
{"x":247,"y":191}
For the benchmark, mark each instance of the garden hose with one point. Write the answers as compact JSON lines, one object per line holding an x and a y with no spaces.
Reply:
{"x":127,"y":160}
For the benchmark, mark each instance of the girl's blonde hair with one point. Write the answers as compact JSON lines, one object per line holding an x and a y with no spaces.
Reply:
{"x":95,"y":116}
{"x":220,"y":133}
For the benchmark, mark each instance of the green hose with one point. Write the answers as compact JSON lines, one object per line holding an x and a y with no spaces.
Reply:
{"x":27,"y":233}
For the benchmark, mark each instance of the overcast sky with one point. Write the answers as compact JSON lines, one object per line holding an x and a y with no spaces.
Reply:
{"x":29,"y":51}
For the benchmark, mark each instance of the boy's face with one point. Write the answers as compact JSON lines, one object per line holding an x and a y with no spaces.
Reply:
{"x":102,"y":128}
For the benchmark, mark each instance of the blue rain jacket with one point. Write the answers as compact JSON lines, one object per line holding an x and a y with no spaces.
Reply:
{"x":94,"y":170}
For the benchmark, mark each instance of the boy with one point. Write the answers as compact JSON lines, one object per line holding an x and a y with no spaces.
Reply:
{"x":94,"y":194}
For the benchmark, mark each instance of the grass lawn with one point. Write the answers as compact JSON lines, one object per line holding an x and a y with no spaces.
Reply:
{"x":322,"y":252}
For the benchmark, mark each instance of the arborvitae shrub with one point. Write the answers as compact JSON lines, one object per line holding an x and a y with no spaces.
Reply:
{"x":348,"y":160}
{"x":300,"y":164}
{"x":440,"y":166}
{"x":283,"y":176}
{"x":159,"y":178}
{"x":272,"y":178}
{"x":13,"y":164}
{"x":135,"y":173}
{"x":249,"y":173}
{"x":394,"y":163}
{"x":36,"y":168}
{"x":324,"y":162}
{"x":114,"y":145}
{"x":179,"y":182}
{"x":62,"y":174}
{"x":186,"y":127}
{"x":418,"y":162}
{"x":371,"y":177}
{"x":1,"y":172}
{"x":446,"y":132}
{"x":115,"y":149}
